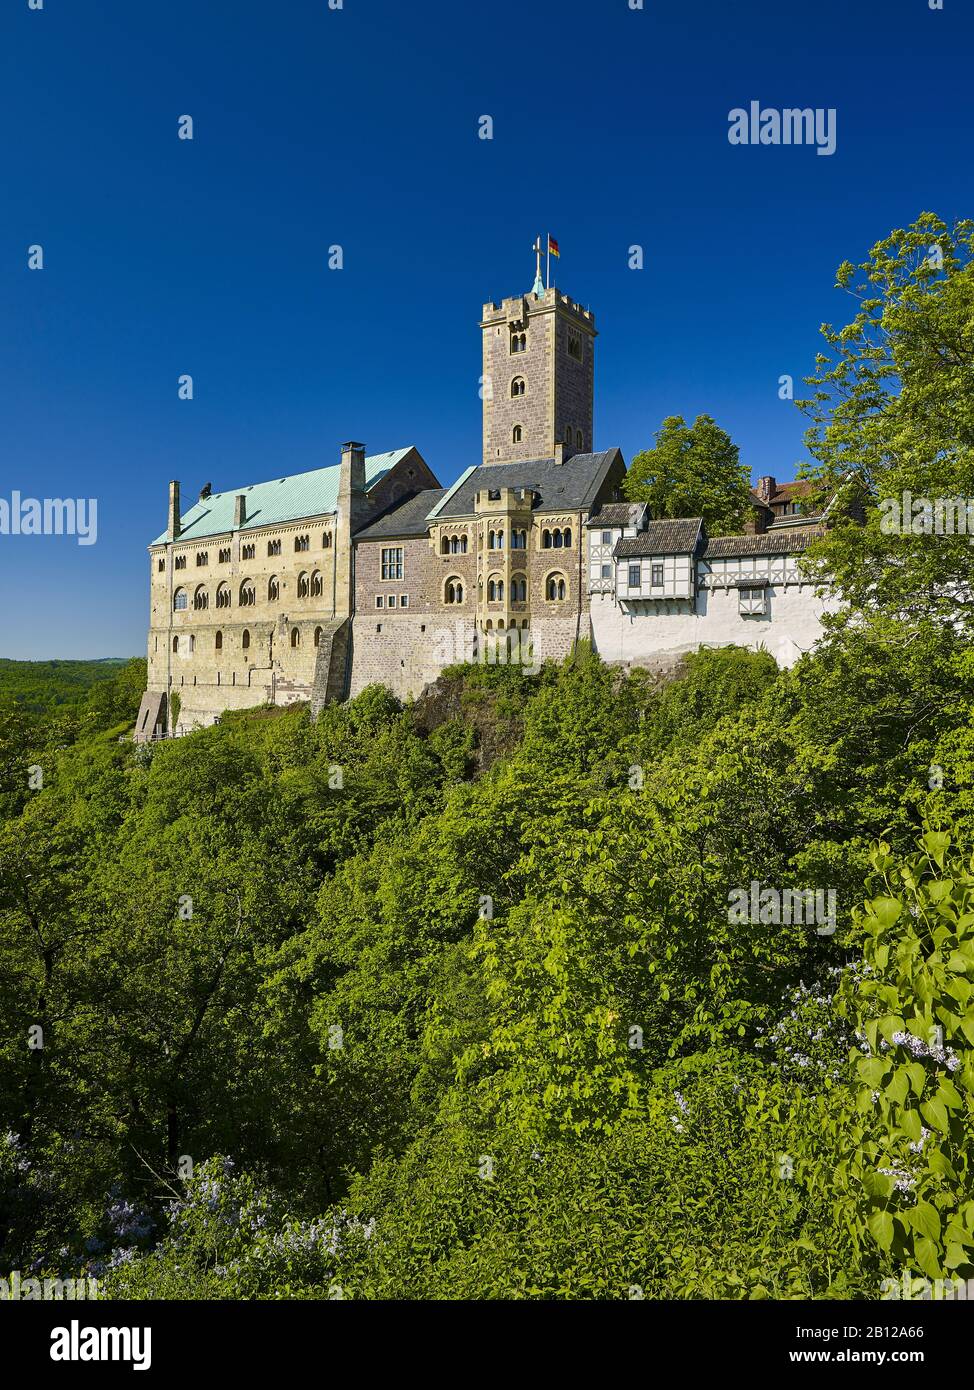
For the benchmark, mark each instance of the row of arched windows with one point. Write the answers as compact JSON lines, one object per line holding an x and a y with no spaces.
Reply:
{"x":309,"y":586}
{"x":453,"y":545}
{"x":186,"y":642}
{"x":556,"y":539}
{"x":556,"y":589}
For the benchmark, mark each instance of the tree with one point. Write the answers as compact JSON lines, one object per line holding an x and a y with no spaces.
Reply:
{"x":893,"y":427}
{"x":693,"y":470}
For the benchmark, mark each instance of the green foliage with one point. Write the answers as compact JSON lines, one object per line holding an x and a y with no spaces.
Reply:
{"x":693,"y":470}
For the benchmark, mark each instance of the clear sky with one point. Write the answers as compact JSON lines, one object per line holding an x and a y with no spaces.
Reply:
{"x":359,"y":127}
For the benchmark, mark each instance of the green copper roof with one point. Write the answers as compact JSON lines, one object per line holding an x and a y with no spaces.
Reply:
{"x":283,"y":499}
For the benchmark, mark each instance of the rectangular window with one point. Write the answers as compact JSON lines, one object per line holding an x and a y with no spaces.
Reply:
{"x":606,"y":537}
{"x":752,"y":603}
{"x":392,"y":565}
{"x":392,"y":601}
{"x":606,"y":571}
{"x":656,"y":578}
{"x":635,"y":577}
{"x":404,"y":601}
{"x":379,"y":601}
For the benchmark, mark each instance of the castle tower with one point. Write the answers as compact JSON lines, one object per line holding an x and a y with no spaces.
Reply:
{"x":539,"y":376}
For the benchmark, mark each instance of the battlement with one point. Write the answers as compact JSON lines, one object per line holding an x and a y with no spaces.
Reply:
{"x":519,"y":306}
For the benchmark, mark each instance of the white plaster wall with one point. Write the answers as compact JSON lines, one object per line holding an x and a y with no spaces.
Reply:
{"x":791,"y":627}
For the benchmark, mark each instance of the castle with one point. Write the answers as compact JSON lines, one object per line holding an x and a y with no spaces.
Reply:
{"x":313,"y":586}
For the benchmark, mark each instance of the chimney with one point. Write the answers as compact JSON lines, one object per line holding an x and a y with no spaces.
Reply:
{"x":174,"y":526}
{"x":765,"y":488}
{"x":239,"y":510}
{"x":559,"y":453}
{"x":353,"y":468}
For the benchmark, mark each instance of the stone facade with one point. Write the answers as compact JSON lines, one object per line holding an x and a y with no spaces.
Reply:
{"x":538,"y":377}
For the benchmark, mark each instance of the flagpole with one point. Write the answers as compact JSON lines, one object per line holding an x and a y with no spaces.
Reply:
{"x":548,"y":266}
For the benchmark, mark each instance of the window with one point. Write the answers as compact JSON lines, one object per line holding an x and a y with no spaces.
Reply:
{"x":495,"y":591}
{"x":752,"y":603}
{"x":180,"y":562}
{"x":380,"y":601}
{"x":575,"y":346}
{"x":606,"y":571}
{"x":606,"y":537}
{"x":495,"y":540}
{"x":273,"y":589}
{"x":248,"y":594}
{"x":568,"y":436}
{"x":273,"y":547}
{"x":519,"y":342}
{"x":391,"y":601}
{"x":557,"y":540}
{"x":245,"y":640}
{"x":225,"y":555}
{"x":378,"y":627}
{"x":304,"y":586}
{"x":316,"y":584}
{"x":175,"y":644}
{"x":545,"y":540}
{"x":326,"y":540}
{"x":568,"y":535}
{"x":453,"y":591}
{"x":519,"y":589}
{"x":578,"y":439}
{"x":317,"y":636}
{"x":223,"y":596}
{"x":161,"y":566}
{"x":635,"y":576}
{"x":403,"y":600}
{"x":392,"y":565}
{"x":248,"y":552}
{"x":180,"y":601}
{"x":656,"y":577}
{"x":555,"y":588}
{"x":518,"y":386}
{"x":218,"y":641}
{"x":295,"y":637}
{"x":202,"y":557}
{"x":302,"y":543}
{"x":516,"y":435}
{"x":201,"y":599}
{"x":519,"y":540}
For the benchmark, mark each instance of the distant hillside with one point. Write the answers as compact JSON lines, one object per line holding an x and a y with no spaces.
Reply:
{"x":43,"y":686}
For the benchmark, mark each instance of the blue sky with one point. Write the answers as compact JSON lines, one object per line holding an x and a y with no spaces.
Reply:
{"x":358,"y":127}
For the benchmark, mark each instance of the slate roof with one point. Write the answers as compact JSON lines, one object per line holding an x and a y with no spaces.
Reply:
{"x":783,"y":542}
{"x":568,"y":486}
{"x":283,"y":499}
{"x":617,"y":514}
{"x":676,"y":536}
{"x":409,"y":518}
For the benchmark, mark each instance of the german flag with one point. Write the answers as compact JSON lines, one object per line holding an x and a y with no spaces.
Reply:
{"x":553,"y":248}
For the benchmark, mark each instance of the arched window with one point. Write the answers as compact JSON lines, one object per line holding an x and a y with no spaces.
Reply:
{"x":175,"y":644}
{"x":180,"y":601}
{"x":274,"y":547}
{"x":245,"y":640}
{"x":295,"y":637}
{"x":273,"y":589}
{"x":218,"y":641}
{"x":568,"y":436}
{"x":453,"y":590}
{"x":248,"y":594}
{"x":519,"y":540}
{"x":516,"y":435}
{"x":545,"y":540}
{"x":192,"y":646}
{"x":445,"y":545}
{"x":555,"y":588}
{"x":519,"y":589}
{"x":201,"y":598}
{"x":301,"y":543}
{"x":495,"y":590}
{"x":223,"y":596}
{"x":578,"y":439}
{"x":303,"y":586}
{"x":317,"y":636}
{"x":326,"y":540}
{"x":316,"y":584}
{"x":568,"y":535}
{"x":518,"y":386}
{"x":556,"y":538}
